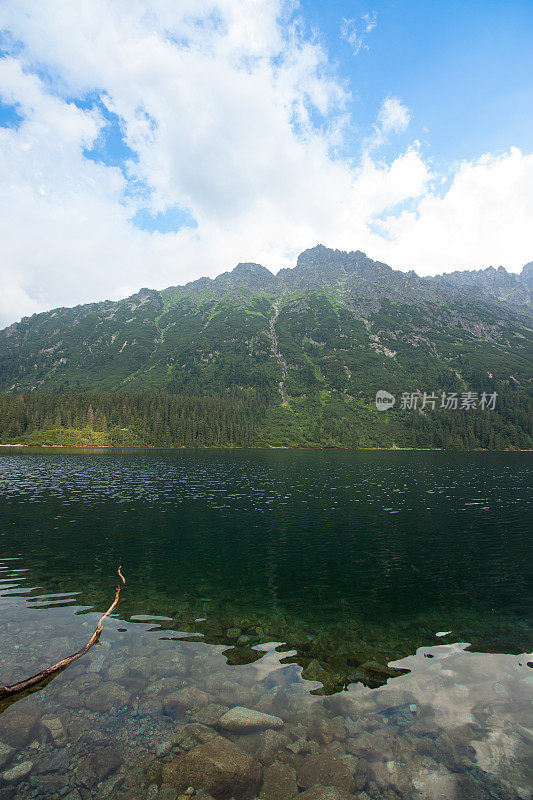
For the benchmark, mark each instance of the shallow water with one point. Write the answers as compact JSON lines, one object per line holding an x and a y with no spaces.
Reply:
{"x":309,"y":585}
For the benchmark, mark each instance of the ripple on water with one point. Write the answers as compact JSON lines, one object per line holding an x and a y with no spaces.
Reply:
{"x":264,"y":580}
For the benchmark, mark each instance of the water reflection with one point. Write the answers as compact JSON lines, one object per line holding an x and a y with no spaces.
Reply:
{"x":455,"y":725}
{"x":239,"y":596}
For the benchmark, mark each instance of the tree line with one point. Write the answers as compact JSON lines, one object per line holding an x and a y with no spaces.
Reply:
{"x":254,"y":417}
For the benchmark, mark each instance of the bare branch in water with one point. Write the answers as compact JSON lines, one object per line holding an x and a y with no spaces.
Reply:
{"x":22,"y":686}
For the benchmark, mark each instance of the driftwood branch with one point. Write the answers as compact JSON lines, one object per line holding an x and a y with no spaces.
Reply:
{"x":22,"y":686}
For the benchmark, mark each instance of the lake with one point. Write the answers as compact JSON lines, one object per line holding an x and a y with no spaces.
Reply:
{"x":377,"y":603}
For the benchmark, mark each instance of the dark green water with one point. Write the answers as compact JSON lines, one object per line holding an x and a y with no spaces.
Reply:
{"x":395,"y":543}
{"x":338,"y":558}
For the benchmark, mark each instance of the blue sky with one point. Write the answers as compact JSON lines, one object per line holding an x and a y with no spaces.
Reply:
{"x":465,"y":69}
{"x":146,"y":144}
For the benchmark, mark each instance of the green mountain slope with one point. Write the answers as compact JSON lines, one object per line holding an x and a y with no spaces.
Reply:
{"x":307,"y":349}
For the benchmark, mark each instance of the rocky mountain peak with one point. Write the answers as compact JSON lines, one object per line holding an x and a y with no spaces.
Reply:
{"x":527,"y":274}
{"x":250,"y":268}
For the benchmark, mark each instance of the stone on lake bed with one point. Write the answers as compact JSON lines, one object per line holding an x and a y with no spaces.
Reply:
{"x":209,"y":714}
{"x":326,"y":770}
{"x":246,"y":720}
{"x":279,"y":783}
{"x":107,"y":696}
{"x":326,"y":793}
{"x":6,"y":752}
{"x":324,"y":731}
{"x":218,"y":767}
{"x":375,"y":668}
{"x":54,"y":727}
{"x":202,"y":733}
{"x":270,"y":742}
{"x":17,"y":725}
{"x":18,"y":772}
{"x":314,"y":671}
{"x":57,"y":762}
{"x":105,"y":761}
{"x":188,"y":699}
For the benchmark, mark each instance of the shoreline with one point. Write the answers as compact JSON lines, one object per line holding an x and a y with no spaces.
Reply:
{"x":259,"y":447}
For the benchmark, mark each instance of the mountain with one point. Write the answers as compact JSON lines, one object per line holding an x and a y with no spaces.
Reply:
{"x":304,"y":351}
{"x":497,"y":284}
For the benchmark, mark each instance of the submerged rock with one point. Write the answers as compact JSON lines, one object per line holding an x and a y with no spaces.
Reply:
{"x":246,"y":720}
{"x":370,"y":745}
{"x":17,"y":725}
{"x":202,"y":733}
{"x":188,"y":699}
{"x":243,"y":653}
{"x":15,"y":774}
{"x":209,"y":714}
{"x":94,"y":769}
{"x":270,"y":742}
{"x":218,"y":767}
{"x":325,"y":793}
{"x":275,"y":701}
{"x":6,"y":752}
{"x":57,"y":762}
{"x":150,"y":708}
{"x":326,"y":770}
{"x":104,"y":762}
{"x":325,"y":731}
{"x":55,"y":728}
{"x":377,"y":670}
{"x":315,"y":672}
{"x":303,"y":746}
{"x":279,"y":783}
{"x":107,"y":696}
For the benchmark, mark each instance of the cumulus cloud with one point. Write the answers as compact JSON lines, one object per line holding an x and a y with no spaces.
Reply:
{"x":483,"y":217}
{"x":227,"y":110}
{"x":393,"y":118}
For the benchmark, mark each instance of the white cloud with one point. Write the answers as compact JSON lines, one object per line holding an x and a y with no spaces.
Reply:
{"x":355,"y":33}
{"x":483,"y":218}
{"x":233,"y":113}
{"x":393,"y":116}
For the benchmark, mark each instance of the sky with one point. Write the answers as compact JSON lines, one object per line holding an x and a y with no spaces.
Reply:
{"x":148,"y":143}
